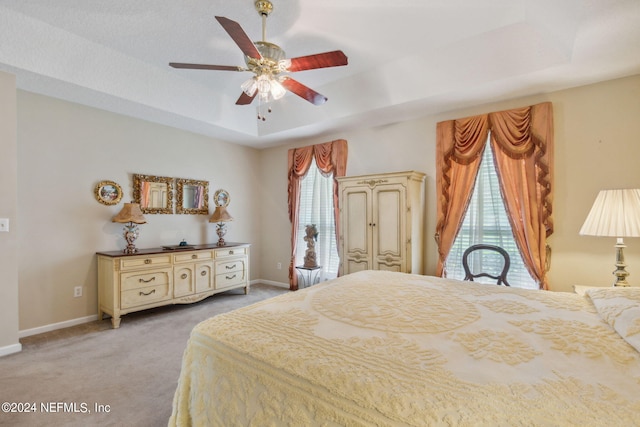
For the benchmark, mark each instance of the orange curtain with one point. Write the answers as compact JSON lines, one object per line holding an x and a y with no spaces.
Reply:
{"x":330,"y":157}
{"x":522,"y":143}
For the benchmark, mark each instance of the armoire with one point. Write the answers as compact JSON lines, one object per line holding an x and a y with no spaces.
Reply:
{"x":381,"y":222}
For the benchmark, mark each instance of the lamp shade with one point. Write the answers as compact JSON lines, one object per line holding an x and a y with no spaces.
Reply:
{"x":220,"y":214}
{"x":615,"y":213}
{"x":130,"y":213}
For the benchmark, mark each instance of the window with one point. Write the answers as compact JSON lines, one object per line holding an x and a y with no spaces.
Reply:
{"x":316,"y":207}
{"x":486,"y":222}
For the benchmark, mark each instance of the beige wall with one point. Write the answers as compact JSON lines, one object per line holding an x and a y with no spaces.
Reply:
{"x":8,"y":209}
{"x":64,"y":150}
{"x":597,"y":147}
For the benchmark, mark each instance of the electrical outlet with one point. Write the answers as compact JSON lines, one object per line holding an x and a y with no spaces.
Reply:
{"x":77,"y":291}
{"x":279,"y":266}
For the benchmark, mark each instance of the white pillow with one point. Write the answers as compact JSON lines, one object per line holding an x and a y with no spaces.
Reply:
{"x":620,"y":308}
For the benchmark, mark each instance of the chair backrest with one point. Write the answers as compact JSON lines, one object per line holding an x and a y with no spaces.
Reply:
{"x":501,"y":278}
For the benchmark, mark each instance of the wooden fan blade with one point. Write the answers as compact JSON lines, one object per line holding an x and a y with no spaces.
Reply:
{"x":205,"y":67}
{"x":240,"y":37}
{"x":303,"y":91}
{"x":245,"y":99}
{"x":335,"y":58}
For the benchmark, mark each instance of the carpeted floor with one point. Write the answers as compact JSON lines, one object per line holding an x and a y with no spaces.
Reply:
{"x":93,"y":375}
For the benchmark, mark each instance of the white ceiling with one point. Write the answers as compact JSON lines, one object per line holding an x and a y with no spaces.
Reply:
{"x":407,"y":58}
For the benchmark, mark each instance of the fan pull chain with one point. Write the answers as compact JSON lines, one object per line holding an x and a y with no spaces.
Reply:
{"x":260,"y":115}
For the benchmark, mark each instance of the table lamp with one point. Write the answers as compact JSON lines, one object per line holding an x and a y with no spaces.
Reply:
{"x":132,"y":215}
{"x":615,"y":213}
{"x":220,"y":216}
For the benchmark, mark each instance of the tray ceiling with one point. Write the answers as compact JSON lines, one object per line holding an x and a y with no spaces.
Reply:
{"x":407,"y":58}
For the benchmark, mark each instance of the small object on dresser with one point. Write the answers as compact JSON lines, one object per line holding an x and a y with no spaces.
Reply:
{"x":179,"y":247}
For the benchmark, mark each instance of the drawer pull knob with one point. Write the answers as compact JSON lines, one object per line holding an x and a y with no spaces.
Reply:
{"x":147,"y":281}
{"x":194,"y":256}
{"x":203,"y":273}
{"x":184,"y":276}
{"x":230,"y":267}
{"x":147,"y":261}
{"x":229,"y":278}
{"x":230,"y":252}
{"x":152,"y":291}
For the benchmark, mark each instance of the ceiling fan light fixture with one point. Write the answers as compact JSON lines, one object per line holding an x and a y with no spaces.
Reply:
{"x":264,"y":84}
{"x":277,"y":90}
{"x":250,"y":86}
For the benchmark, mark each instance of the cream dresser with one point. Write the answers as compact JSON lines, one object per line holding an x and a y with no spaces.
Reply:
{"x":156,"y":277}
{"x":381,"y":222}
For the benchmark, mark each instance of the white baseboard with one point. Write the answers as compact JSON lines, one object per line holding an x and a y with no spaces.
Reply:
{"x":80,"y":320}
{"x":59,"y":325}
{"x":271,"y":282}
{"x":10,"y":349}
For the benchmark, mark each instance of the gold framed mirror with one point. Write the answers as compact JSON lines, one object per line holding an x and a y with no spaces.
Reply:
{"x":192,"y":197}
{"x":153,"y":193}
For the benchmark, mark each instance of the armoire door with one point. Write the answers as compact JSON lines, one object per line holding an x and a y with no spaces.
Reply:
{"x":388,"y":230}
{"x":356,"y":228}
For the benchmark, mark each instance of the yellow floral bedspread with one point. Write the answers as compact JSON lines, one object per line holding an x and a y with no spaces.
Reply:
{"x":390,"y":349}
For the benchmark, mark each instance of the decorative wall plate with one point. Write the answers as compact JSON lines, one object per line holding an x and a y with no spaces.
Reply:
{"x":221,"y":198}
{"x":108,"y":193}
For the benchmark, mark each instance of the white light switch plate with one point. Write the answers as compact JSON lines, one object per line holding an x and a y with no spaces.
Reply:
{"x":4,"y":224}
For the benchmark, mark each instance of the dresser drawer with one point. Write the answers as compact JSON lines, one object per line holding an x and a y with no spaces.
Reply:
{"x":225,"y":280}
{"x":223,"y":253}
{"x":230,"y":266}
{"x":193,"y":256}
{"x":143,"y":262}
{"x":144,"y":296}
{"x":143,"y":279}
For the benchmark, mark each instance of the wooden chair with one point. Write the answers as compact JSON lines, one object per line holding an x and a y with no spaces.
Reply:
{"x":501,"y":278}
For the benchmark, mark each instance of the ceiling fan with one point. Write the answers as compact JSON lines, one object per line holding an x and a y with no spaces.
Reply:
{"x":268,"y":61}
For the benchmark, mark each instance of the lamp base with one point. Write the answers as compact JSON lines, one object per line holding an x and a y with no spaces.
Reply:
{"x":221,"y":230}
{"x":130,"y":235}
{"x":620,"y":272}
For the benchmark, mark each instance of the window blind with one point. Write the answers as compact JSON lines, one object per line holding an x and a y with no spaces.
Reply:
{"x":316,"y":207}
{"x":486,"y":222}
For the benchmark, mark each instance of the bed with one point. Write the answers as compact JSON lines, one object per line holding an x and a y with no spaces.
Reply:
{"x":378,"y":348}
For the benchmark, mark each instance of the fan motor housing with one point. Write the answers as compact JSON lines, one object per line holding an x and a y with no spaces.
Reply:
{"x":271,"y":53}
